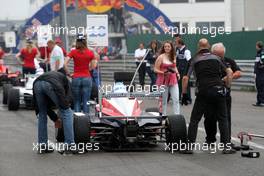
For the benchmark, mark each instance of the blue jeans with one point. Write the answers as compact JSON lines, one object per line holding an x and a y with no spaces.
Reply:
{"x":81,"y":89}
{"x":44,"y":90}
{"x":174,"y":92}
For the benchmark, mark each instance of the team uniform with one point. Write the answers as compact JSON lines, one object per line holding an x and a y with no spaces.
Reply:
{"x":210,"y":119}
{"x":208,"y":69}
{"x":28,"y":59}
{"x":82,"y":81}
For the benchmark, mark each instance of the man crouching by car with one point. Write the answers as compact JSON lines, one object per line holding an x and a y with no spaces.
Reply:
{"x":53,"y":86}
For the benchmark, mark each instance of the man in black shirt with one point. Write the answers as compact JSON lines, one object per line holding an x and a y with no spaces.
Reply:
{"x":53,"y":86}
{"x":211,"y":93}
{"x":210,"y":119}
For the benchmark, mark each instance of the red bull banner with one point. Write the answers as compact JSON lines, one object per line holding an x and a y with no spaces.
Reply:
{"x":141,"y":7}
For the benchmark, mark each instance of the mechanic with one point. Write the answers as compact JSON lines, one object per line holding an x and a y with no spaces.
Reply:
{"x":53,"y":86}
{"x":84,"y":61}
{"x":210,"y":119}
{"x":139,"y":55}
{"x":56,"y":56}
{"x":167,"y":75}
{"x":211,"y":93}
{"x":26,"y":57}
{"x":183,"y":57}
{"x":259,"y":73}
{"x":151,"y":58}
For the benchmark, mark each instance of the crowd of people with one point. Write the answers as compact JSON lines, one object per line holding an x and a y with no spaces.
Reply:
{"x":170,"y":65}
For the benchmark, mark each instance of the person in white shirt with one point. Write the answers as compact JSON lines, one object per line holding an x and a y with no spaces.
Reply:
{"x":139,"y":55}
{"x":56,"y":56}
{"x":183,"y":57}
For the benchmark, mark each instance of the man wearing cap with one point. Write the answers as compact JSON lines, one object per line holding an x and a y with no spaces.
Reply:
{"x":211,"y":93}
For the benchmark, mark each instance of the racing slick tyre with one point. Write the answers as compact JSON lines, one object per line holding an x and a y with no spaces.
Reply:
{"x":81,"y":125}
{"x":176,"y":130}
{"x":13,"y":100}
{"x":152,"y":109}
{"x":6,"y":88}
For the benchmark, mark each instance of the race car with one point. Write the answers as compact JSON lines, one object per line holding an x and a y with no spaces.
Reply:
{"x":8,"y":77}
{"x":119,"y":122}
{"x":15,"y":96}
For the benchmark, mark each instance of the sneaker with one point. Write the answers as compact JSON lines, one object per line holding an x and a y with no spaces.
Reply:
{"x":258,"y":104}
{"x":229,"y":151}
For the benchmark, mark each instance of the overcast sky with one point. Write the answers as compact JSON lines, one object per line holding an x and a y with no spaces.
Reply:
{"x":14,"y":9}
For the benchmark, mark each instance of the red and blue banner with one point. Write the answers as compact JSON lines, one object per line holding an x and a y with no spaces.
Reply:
{"x":141,"y":7}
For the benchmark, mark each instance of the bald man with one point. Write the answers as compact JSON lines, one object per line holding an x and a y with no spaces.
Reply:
{"x":210,"y":95}
{"x":210,"y":119}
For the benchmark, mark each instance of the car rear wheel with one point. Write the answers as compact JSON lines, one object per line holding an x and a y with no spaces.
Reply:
{"x":13,"y":99}
{"x":176,"y":131}
{"x":6,"y":88}
{"x":81,"y":127}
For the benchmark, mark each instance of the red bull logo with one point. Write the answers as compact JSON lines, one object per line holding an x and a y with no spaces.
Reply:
{"x":101,"y":6}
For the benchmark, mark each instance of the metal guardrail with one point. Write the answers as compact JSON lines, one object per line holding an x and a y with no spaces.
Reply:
{"x":246,"y":82}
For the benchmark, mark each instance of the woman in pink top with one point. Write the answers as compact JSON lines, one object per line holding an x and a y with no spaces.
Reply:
{"x":167,"y":76}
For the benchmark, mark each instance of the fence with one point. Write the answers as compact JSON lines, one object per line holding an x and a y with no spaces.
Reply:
{"x":127,"y":64}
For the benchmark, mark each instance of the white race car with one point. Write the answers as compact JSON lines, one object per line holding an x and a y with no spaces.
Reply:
{"x":120,"y":122}
{"x":21,"y":95}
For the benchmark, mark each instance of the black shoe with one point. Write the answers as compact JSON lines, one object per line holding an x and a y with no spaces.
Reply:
{"x":235,"y":147}
{"x":258,"y":104}
{"x":186,"y":151}
{"x":42,"y":149}
{"x":69,"y":150}
{"x":228,"y":151}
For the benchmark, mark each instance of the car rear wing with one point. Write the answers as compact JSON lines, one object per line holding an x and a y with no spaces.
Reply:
{"x":130,"y":95}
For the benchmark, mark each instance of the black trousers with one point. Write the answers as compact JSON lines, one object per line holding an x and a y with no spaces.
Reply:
{"x":209,"y":99}
{"x":141,"y":73}
{"x":27,"y":70}
{"x":152,"y":75}
{"x":210,"y":122}
{"x":260,"y":88}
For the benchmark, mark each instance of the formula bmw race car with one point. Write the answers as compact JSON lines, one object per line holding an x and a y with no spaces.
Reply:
{"x":9,"y":77}
{"x":15,"y":96}
{"x":119,"y":122}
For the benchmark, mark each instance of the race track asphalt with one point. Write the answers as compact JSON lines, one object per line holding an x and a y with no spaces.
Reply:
{"x":18,"y":131}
